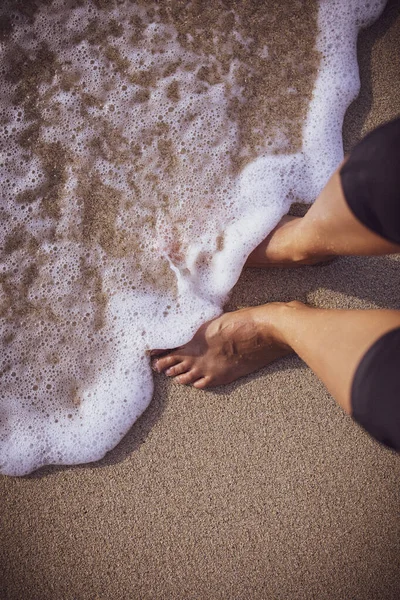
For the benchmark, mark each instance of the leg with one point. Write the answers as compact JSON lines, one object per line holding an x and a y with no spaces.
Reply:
{"x":331,"y":342}
{"x":328,"y":229}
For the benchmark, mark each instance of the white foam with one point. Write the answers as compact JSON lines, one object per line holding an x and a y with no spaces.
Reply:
{"x":84,"y":309}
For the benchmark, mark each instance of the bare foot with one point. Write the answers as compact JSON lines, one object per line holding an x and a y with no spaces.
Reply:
{"x":286,"y":246}
{"x":226,"y":348}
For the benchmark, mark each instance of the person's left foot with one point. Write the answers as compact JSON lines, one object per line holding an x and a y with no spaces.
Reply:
{"x":224,"y":349}
{"x":286,"y":246}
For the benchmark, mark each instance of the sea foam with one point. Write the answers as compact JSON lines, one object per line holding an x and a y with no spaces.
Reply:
{"x":145,"y":149}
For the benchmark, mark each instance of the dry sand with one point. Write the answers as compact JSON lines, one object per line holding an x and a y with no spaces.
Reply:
{"x":262,"y":489}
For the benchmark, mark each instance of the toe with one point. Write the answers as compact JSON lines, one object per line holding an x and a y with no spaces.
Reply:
{"x":201,"y":383}
{"x":187,"y":378}
{"x":161,"y":364}
{"x":178,"y":369}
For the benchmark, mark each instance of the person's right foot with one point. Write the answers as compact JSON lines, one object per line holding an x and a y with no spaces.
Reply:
{"x":282,"y":248}
{"x":224,"y":349}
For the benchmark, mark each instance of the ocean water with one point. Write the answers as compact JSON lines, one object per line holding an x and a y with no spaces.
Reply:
{"x":145,"y":149}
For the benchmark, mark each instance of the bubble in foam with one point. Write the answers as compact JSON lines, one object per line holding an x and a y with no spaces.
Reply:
{"x":145,"y":150}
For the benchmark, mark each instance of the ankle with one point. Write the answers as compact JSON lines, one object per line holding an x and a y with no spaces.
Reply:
{"x":269,"y":320}
{"x":303,"y":244}
{"x":284,"y":241}
{"x":281,"y":317}
{"x":291,"y":242}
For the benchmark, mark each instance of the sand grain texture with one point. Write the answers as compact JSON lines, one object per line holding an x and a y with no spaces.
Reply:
{"x":261,"y":490}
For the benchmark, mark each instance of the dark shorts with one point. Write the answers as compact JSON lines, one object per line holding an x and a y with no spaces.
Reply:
{"x":371,"y":184}
{"x":375,"y":395}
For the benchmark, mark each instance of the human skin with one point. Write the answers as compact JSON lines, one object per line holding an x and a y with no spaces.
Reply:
{"x":331,"y":342}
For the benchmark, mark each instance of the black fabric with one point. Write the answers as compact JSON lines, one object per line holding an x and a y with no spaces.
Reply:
{"x":371,"y":185}
{"x":371,"y":181}
{"x":375,"y":394}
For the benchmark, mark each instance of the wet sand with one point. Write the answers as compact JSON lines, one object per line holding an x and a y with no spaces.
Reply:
{"x":262,"y":489}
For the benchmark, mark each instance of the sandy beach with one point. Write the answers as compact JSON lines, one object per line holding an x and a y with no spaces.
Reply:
{"x":262,"y":489}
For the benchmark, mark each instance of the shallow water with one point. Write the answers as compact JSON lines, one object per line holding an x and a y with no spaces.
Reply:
{"x":146,"y":149}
